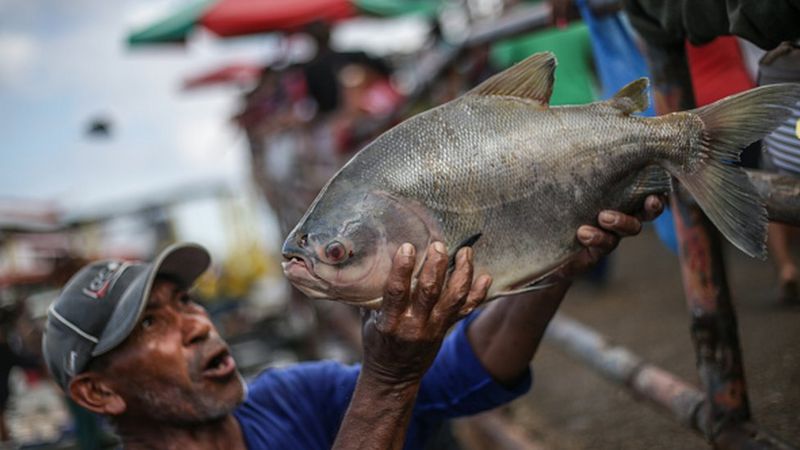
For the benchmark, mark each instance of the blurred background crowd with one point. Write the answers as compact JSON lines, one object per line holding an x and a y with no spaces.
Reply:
{"x":130,"y":125}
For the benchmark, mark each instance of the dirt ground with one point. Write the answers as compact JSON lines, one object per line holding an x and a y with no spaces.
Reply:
{"x":642,"y":307}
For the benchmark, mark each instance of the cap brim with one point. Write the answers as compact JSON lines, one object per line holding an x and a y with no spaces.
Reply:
{"x":182,"y":262}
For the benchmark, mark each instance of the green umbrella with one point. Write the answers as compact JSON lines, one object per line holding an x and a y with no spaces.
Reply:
{"x":173,"y":28}
{"x":427,"y":8}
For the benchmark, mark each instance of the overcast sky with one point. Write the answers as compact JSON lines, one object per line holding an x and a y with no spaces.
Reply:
{"x":64,"y":62}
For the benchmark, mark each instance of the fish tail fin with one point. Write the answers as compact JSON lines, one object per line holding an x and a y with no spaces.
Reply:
{"x":721,"y":188}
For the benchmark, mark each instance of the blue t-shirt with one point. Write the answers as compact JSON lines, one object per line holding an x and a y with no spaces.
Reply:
{"x":302,"y":406}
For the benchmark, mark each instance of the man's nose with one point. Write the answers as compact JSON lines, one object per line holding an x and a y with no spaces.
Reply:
{"x":196,"y":328}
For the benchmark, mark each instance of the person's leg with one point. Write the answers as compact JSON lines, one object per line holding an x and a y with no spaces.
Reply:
{"x":780,"y":249}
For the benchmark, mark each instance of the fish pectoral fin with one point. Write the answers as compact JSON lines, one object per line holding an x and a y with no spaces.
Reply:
{"x":633,"y":97}
{"x":468,"y":242}
{"x":531,"y":79}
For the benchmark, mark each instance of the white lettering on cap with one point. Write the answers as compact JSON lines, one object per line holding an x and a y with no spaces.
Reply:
{"x":104,"y":281}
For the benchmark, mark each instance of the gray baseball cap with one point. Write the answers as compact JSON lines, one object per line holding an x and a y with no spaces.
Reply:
{"x":102,"y":303}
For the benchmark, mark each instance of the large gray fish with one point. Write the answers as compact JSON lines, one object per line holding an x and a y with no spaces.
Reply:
{"x":500,"y":170}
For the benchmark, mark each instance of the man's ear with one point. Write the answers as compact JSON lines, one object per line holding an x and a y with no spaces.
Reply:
{"x":93,"y":392}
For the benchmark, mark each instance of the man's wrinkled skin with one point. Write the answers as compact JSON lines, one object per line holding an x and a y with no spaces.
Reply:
{"x":401,"y":341}
{"x":154,"y":384}
{"x":161,"y":392}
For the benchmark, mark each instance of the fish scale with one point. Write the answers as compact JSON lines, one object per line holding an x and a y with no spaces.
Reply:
{"x":501,"y":166}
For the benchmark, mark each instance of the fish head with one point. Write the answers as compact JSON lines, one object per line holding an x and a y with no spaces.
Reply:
{"x":342,"y":250}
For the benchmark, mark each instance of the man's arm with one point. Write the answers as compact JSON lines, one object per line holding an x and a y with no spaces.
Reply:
{"x":507,"y":333}
{"x":401,"y":341}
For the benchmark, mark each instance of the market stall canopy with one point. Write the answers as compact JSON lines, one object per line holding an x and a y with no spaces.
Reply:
{"x":241,"y":17}
{"x":173,"y":28}
{"x":227,"y":18}
{"x":236,"y":74}
{"x":391,"y":8}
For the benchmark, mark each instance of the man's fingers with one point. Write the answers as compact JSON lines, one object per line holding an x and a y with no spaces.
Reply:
{"x":476,"y":295}
{"x":431,"y":278}
{"x":619,"y":223}
{"x":395,"y":293}
{"x":458,"y":285}
{"x":653,"y":207}
{"x":596,"y":238}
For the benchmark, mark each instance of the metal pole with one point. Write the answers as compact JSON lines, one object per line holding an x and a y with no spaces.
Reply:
{"x":713,"y":327}
{"x":713,"y":319}
{"x":781,"y":194}
{"x":621,"y":366}
{"x":673,"y":395}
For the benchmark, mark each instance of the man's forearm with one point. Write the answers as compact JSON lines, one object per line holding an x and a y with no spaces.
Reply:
{"x":507,"y":333}
{"x":378,"y":414}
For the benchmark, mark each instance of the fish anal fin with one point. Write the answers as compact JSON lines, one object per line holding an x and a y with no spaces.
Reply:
{"x":543,"y":281}
{"x":538,"y":286}
{"x":633,"y":97}
{"x":530,"y":79}
{"x":652,"y":179}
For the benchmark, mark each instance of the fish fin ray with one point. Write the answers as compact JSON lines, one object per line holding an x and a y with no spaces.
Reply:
{"x":531,"y":79}
{"x":633,"y":97}
{"x":653,"y":179}
{"x":538,"y":283}
{"x":468,"y":242}
{"x":722,"y":189}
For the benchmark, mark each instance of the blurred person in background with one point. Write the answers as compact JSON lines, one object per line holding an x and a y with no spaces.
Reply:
{"x":7,"y":362}
{"x":10,"y":356}
{"x":127,"y":341}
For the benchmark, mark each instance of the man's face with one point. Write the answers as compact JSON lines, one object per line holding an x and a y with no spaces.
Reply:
{"x":174,"y":366}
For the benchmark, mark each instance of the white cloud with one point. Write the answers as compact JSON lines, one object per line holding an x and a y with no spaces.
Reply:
{"x":161,"y":137}
{"x":18,"y":53}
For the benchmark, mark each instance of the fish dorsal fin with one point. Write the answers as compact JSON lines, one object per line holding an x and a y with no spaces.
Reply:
{"x":633,"y":97}
{"x":531,"y":79}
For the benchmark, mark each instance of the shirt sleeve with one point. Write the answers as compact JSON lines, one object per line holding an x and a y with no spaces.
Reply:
{"x":457,"y":384}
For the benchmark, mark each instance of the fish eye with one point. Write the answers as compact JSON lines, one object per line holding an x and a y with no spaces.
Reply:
{"x":335,"y":251}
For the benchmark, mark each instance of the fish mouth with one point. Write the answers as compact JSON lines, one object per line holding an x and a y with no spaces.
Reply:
{"x":299,"y":270}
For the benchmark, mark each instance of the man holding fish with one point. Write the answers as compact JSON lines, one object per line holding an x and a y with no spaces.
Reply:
{"x":476,"y":199}
{"x":126,"y":341}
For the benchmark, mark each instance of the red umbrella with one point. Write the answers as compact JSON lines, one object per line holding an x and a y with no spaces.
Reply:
{"x":239,"y":74}
{"x":241,"y":17}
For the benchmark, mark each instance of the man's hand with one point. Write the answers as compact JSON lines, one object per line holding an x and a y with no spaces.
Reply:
{"x":614,"y":225}
{"x":402,"y":339}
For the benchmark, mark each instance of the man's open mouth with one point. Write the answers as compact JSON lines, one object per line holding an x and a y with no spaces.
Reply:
{"x":219,"y":365}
